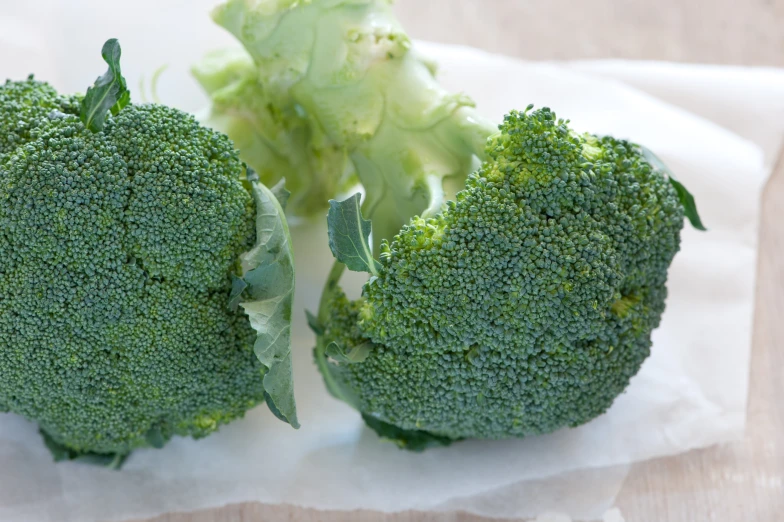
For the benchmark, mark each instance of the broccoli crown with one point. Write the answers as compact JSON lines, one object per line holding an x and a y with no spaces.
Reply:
{"x":118,"y":252}
{"x":528,"y":303}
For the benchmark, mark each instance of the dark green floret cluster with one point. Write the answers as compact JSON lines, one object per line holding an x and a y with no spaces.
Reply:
{"x":117,"y":251}
{"x":122,"y":239}
{"x":525,"y":306}
{"x":25,"y":107}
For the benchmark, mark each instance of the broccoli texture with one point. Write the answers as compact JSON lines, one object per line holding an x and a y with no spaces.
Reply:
{"x":121,"y":249}
{"x":525,"y":306}
{"x":25,"y":105}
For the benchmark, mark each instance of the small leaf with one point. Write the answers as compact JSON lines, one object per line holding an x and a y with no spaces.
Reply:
{"x":689,"y":206}
{"x":250,"y":174}
{"x":108,"y":94}
{"x":274,"y":409}
{"x":412,"y":440}
{"x":111,"y":461}
{"x":684,"y":196}
{"x":155,"y":437}
{"x":349,"y":235}
{"x":314,"y":323}
{"x":58,"y":451}
{"x":268,"y":271}
{"x":355,"y":354}
{"x":61,"y":453}
{"x":238,"y":285}
{"x":125,"y":99}
{"x":281,"y":194}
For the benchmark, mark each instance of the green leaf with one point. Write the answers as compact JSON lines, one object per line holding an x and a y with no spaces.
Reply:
{"x":314,"y":323}
{"x":250,"y":174}
{"x":268,"y":270}
{"x":274,"y":409}
{"x":238,"y":285}
{"x":60,"y":453}
{"x":412,"y":440}
{"x":689,"y":206}
{"x":355,"y":354}
{"x":684,"y":196}
{"x":281,"y":194}
{"x":155,"y":437}
{"x":108,"y":94}
{"x":114,"y":461}
{"x":349,"y":235}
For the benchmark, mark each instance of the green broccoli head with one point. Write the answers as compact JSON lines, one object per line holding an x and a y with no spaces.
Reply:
{"x":525,"y":306}
{"x":122,"y":251}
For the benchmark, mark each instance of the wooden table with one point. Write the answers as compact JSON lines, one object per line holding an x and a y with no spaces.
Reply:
{"x":739,"y":482}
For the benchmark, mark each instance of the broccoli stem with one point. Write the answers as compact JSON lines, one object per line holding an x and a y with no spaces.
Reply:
{"x":330,"y":288}
{"x":320,"y":353}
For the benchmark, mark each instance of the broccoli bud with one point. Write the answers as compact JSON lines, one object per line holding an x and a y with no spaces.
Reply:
{"x":525,"y":306}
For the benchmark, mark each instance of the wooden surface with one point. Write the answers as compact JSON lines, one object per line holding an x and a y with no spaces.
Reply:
{"x":740,"y":482}
{"x":748,"y":32}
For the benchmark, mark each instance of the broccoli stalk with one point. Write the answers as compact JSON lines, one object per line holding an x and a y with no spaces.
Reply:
{"x":525,"y":306}
{"x":346,"y":99}
{"x":147,"y":277}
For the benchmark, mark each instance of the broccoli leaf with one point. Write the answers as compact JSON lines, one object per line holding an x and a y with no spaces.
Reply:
{"x":355,"y":354}
{"x":268,"y":270}
{"x":238,"y":285}
{"x":689,"y":206}
{"x":314,"y":323}
{"x":58,"y":451}
{"x":349,"y":235}
{"x":412,"y":440}
{"x":113,"y":461}
{"x":274,"y":409}
{"x":109,"y":93}
{"x":280,"y":193}
{"x":155,"y":437}
{"x":684,"y":196}
{"x":61,"y":453}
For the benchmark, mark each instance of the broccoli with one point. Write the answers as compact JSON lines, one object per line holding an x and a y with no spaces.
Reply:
{"x":26,"y":105}
{"x":130,"y":236}
{"x":344,"y":100}
{"x":525,"y":306}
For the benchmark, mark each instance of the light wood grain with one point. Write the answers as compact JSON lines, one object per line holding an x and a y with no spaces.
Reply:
{"x":748,"y":32}
{"x":740,"y":482}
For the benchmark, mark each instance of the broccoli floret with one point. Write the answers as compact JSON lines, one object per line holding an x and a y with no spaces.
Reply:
{"x":25,"y":105}
{"x":122,"y":250}
{"x":525,"y":306}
